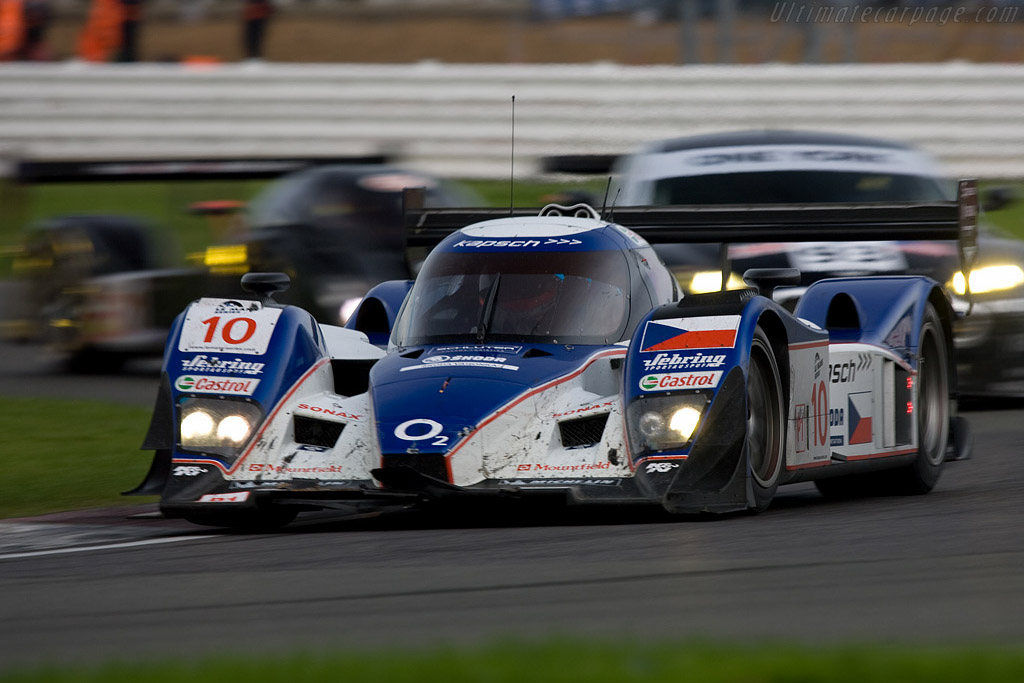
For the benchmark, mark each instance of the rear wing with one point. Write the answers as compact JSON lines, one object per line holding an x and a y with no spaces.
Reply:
{"x":938,"y":220}
{"x":81,"y":171}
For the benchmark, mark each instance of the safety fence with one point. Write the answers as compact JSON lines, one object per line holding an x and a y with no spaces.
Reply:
{"x":457,"y":120}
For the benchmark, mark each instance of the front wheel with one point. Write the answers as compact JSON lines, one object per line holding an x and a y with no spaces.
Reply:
{"x":765,"y":421}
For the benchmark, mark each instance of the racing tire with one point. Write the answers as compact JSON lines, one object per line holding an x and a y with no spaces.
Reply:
{"x":260,"y":519}
{"x":766,"y":421}
{"x":932,"y":409}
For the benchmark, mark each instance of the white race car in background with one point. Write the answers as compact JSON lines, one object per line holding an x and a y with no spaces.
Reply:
{"x":794,"y":167}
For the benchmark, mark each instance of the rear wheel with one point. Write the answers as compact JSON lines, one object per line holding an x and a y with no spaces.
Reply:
{"x":932,"y":410}
{"x":765,"y":421}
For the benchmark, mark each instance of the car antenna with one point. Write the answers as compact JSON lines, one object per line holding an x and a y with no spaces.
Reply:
{"x":611,"y":210}
{"x":604,"y":203}
{"x":512,"y":163}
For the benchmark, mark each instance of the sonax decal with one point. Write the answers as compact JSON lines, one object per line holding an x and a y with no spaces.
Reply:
{"x":677,"y":334}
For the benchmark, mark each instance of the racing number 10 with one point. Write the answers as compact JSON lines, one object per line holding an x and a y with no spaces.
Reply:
{"x":230,"y":332}
{"x":819,"y":400}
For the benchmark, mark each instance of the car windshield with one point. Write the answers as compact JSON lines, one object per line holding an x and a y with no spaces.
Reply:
{"x":797,"y":187}
{"x":534,"y":297}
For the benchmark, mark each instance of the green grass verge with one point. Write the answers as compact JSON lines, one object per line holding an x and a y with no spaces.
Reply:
{"x":571,"y":661}
{"x":63,"y":455}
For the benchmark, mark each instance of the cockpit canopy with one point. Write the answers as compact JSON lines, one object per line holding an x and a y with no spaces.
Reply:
{"x":541,"y":297}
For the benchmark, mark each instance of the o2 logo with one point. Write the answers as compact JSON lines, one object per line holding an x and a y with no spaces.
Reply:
{"x":422,"y":429}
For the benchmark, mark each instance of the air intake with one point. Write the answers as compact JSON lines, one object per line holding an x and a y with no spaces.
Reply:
{"x":582,"y":432}
{"x":313,"y":432}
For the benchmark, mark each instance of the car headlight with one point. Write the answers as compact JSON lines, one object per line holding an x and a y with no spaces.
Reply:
{"x":660,"y":423}
{"x":706,"y":281}
{"x":989,"y":279}
{"x":217,"y":426}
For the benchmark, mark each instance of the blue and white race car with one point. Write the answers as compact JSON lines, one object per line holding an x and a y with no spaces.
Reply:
{"x":553,"y":355}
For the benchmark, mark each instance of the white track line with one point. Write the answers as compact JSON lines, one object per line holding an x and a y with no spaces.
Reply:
{"x":109,"y":546}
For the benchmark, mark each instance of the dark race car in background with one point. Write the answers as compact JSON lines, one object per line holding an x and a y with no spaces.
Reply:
{"x":98,"y":289}
{"x":776,"y":167}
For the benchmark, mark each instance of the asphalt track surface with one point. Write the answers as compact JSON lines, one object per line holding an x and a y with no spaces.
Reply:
{"x":123,"y":584}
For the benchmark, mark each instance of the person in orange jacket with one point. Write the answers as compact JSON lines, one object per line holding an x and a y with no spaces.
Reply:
{"x":101,"y":37}
{"x":111,"y":31}
{"x":23,"y":25}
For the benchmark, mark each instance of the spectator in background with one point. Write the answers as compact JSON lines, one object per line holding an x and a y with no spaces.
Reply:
{"x":23,"y":25}
{"x":256,"y":15}
{"x":131,"y":16}
{"x":100,"y":39}
{"x":111,"y":31}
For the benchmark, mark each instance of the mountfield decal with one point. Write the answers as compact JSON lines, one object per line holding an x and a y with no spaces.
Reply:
{"x":676,"y":361}
{"x":678,"y":334}
{"x":227,"y":366}
{"x":861,"y":407}
{"x":228,"y":386}
{"x":235,"y":327}
{"x":584,"y":467}
{"x":681,"y":380}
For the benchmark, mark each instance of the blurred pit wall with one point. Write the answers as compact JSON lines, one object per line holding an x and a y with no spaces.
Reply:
{"x":455,"y":120}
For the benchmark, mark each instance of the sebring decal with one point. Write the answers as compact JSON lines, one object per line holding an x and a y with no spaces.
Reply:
{"x":243,"y":327}
{"x":681,"y":380}
{"x":860,"y":411}
{"x":228,"y":386}
{"x":226,"y":366}
{"x":676,"y":361}
{"x":677,"y":334}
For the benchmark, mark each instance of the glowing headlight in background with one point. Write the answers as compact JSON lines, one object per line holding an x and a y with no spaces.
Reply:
{"x":711,"y":281}
{"x":989,"y":279}
{"x":348,"y":307}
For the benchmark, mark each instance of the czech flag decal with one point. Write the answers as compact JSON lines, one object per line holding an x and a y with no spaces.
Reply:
{"x":677,"y":334}
{"x":860,"y":411}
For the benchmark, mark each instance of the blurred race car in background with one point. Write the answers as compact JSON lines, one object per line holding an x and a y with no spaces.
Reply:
{"x":773,"y":167}
{"x":98,"y":288}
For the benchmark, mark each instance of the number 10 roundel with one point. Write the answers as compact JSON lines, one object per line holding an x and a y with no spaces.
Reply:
{"x":228,"y":327}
